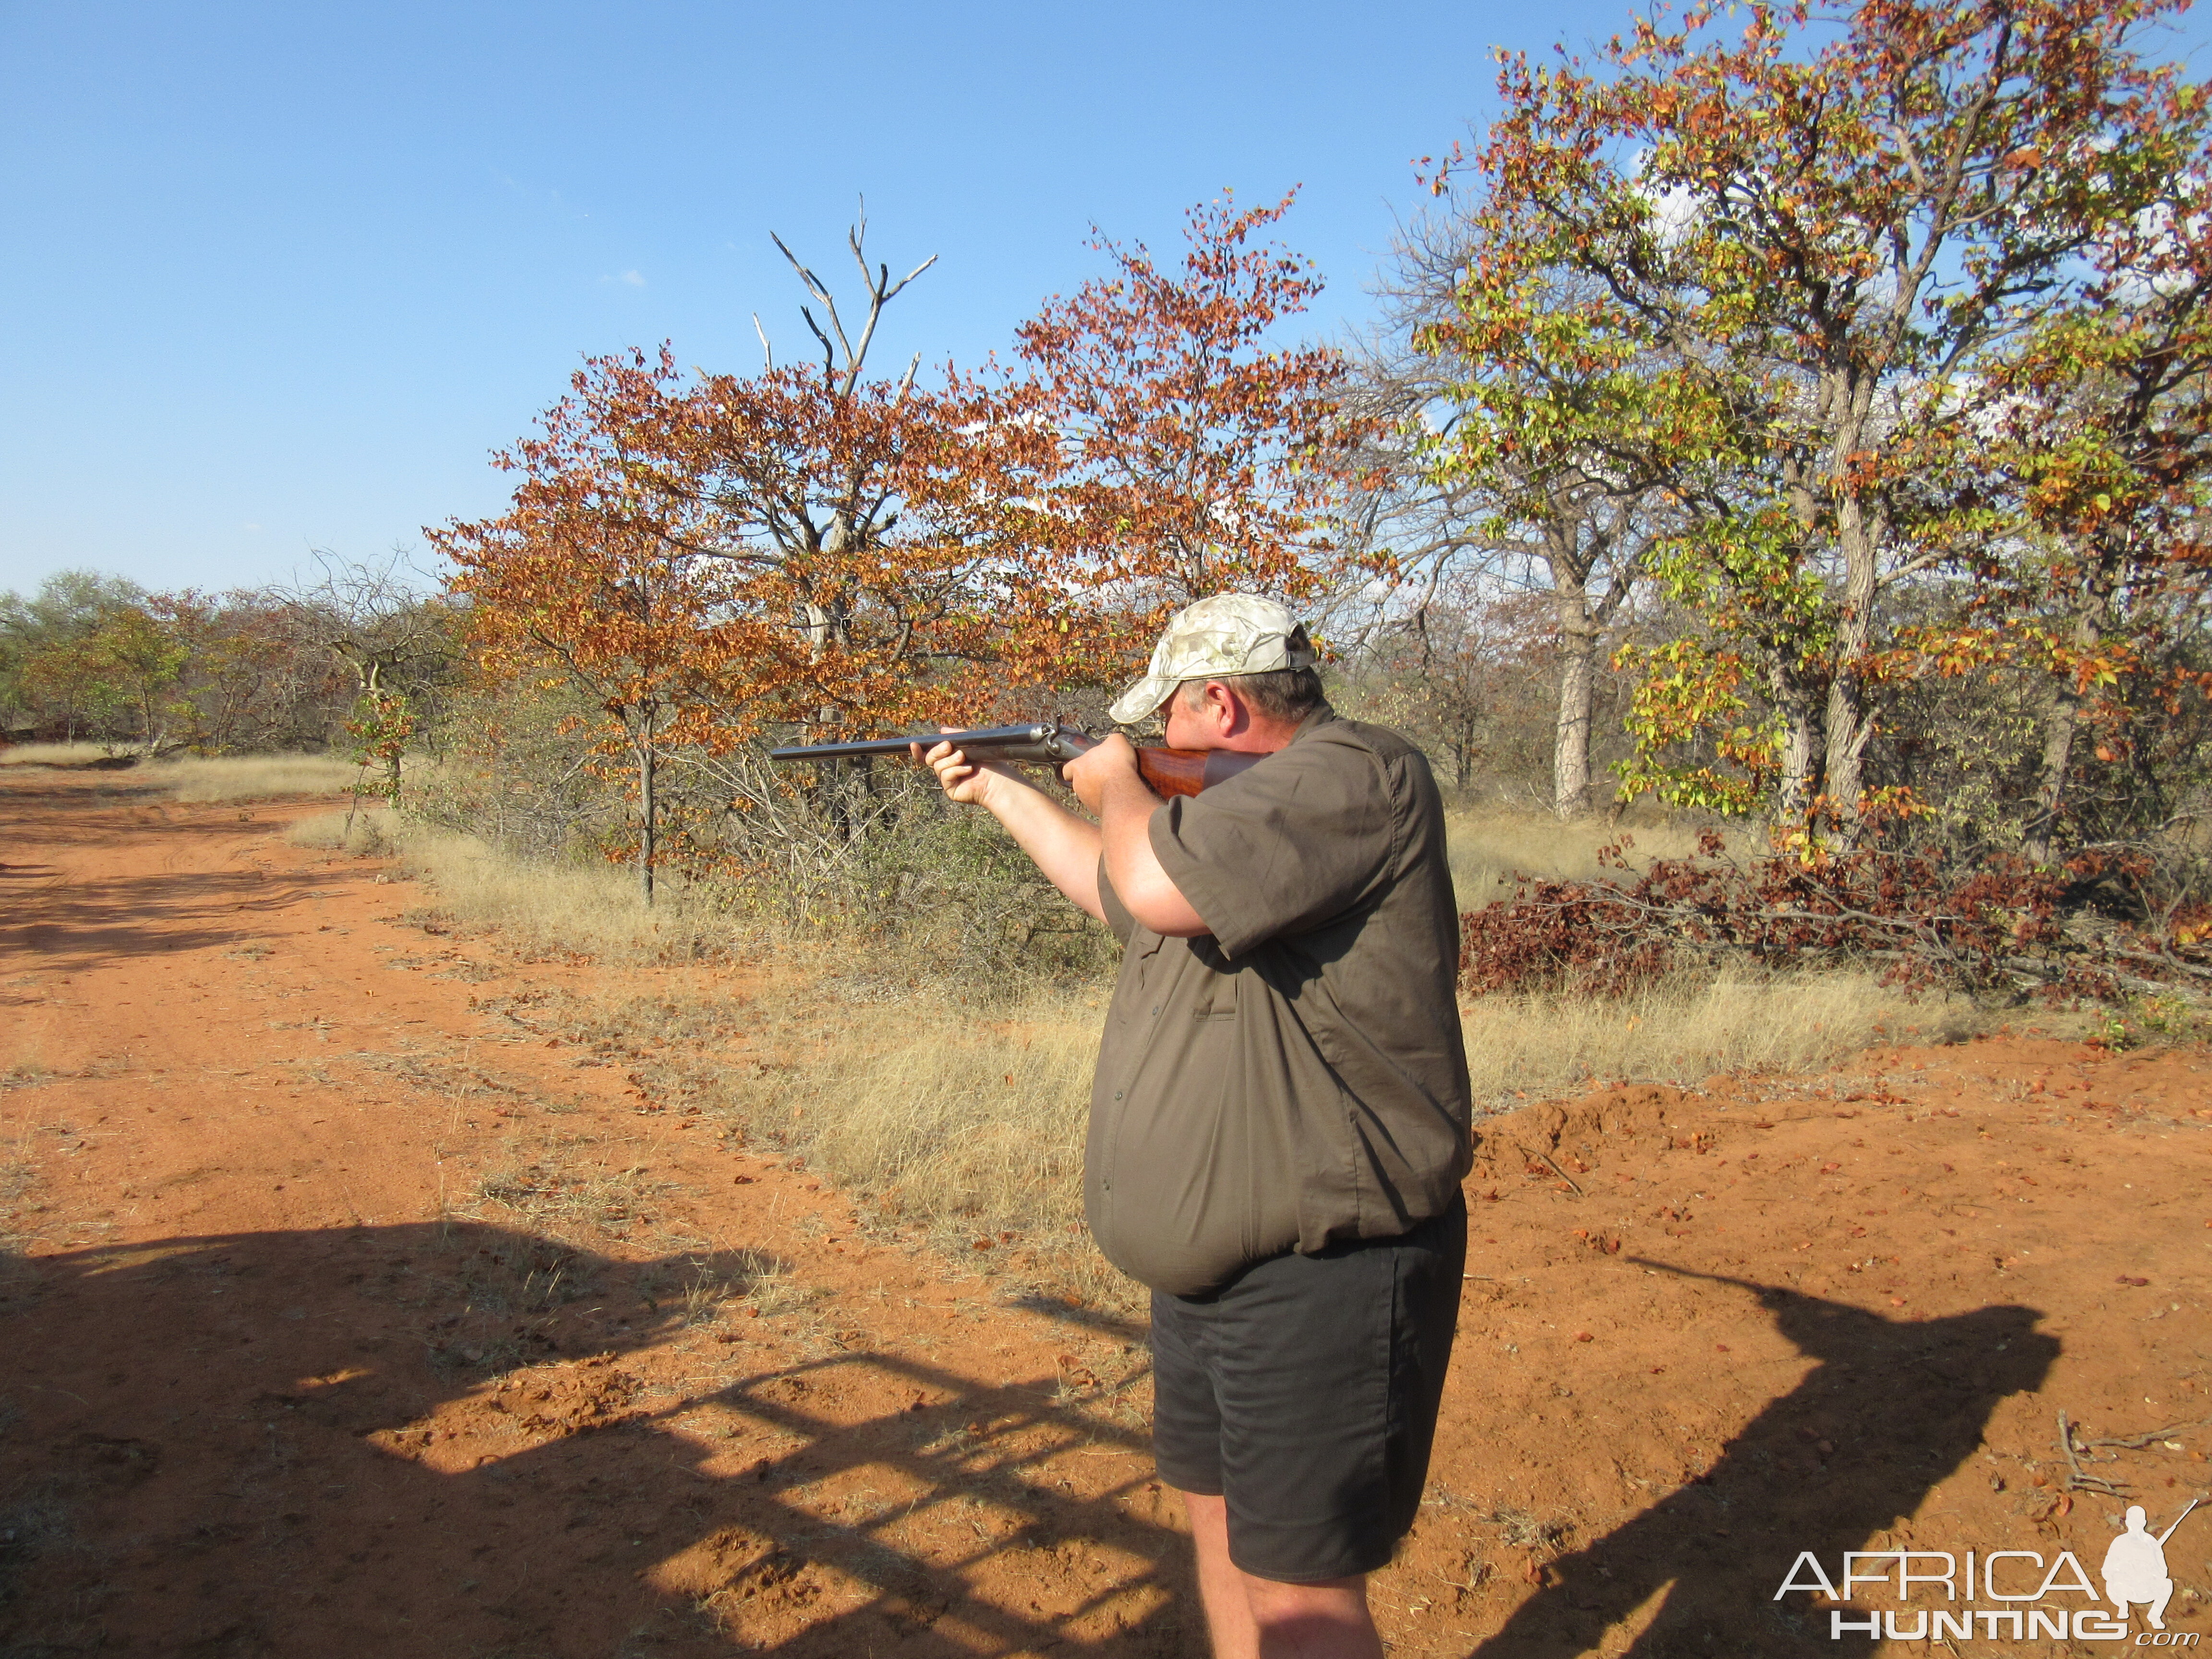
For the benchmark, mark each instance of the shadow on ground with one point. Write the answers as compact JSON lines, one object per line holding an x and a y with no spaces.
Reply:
{"x":459,"y":1440}
{"x":1890,"y":1410}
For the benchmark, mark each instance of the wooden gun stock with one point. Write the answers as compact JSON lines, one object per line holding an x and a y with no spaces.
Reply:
{"x":1172,"y":772}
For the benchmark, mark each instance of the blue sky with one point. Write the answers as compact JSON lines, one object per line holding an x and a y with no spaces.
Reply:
{"x":279,"y":277}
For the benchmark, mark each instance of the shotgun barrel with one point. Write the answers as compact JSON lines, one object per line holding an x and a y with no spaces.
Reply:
{"x":1010,"y":743}
{"x":1168,"y":771}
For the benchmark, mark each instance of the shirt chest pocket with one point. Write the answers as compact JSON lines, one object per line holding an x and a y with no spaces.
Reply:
{"x":1215,"y":997}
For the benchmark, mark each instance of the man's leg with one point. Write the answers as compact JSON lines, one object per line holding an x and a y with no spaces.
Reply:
{"x":1251,"y":1617}
{"x":1312,"y":1385}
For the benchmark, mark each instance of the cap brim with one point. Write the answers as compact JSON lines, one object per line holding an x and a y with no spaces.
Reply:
{"x":1142,"y":700}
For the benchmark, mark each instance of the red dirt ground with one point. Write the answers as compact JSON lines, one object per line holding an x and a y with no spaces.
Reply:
{"x":268,"y":1390}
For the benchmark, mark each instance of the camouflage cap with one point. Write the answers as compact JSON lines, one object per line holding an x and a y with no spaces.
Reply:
{"x":1228,"y":635}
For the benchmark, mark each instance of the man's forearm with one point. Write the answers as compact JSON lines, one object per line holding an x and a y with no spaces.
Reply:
{"x":1061,"y":845}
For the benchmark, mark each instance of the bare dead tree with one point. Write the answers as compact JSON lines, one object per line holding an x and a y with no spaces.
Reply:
{"x":386,"y":620}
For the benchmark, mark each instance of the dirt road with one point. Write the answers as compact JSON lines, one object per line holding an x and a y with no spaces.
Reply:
{"x":296,"y":1361}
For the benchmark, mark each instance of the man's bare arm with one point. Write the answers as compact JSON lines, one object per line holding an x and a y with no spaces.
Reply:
{"x":1063,"y":845}
{"x":1107,"y":782}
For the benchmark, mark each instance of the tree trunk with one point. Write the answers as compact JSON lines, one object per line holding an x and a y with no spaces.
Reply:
{"x":2062,"y":716}
{"x":2061,"y":721}
{"x":1849,"y":725}
{"x":1570,"y":737}
{"x":648,"y":755}
{"x":1804,"y":748}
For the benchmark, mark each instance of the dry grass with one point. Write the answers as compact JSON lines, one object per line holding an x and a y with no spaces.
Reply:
{"x":18,"y":1176}
{"x":592,"y":909}
{"x":51,"y":754}
{"x":1684,"y":1031}
{"x":199,"y":779}
{"x":249,"y":777}
{"x":975,"y":1129}
{"x":1489,"y":848}
{"x":365,"y":833}
{"x":567,"y":1193}
{"x":971,"y":1127}
{"x":939,"y":1116}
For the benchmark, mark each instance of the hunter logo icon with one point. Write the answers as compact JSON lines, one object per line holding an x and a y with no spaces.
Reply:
{"x":2135,"y":1566}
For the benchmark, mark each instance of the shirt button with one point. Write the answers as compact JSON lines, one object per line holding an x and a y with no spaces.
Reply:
{"x":1156,"y":1010}
{"x":1117,"y":1094}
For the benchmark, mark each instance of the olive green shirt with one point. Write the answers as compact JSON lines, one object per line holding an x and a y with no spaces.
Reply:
{"x":1296,"y":1077}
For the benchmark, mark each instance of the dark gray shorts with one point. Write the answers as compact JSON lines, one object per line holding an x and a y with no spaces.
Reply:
{"x":1305,"y":1392}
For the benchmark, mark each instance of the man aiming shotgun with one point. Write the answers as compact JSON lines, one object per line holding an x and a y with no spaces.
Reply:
{"x":1280,"y":1121}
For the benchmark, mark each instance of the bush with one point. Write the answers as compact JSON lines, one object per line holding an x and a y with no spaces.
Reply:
{"x":1928,"y":916}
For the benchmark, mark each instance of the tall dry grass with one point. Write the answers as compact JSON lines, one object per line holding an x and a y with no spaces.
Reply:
{"x":592,"y":909}
{"x":1490,"y":846}
{"x":197,"y":778}
{"x":51,"y":754}
{"x":1681,"y":1031}
{"x":975,"y":1128}
{"x":194,"y":778}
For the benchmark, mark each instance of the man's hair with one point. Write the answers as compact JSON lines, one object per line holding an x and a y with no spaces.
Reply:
{"x":1284,"y":694}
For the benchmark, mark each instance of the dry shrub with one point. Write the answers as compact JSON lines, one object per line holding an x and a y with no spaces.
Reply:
{"x":1926,"y":915}
{"x":1683,"y":1029}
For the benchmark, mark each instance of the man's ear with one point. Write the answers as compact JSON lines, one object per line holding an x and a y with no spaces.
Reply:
{"x":1227,"y":708}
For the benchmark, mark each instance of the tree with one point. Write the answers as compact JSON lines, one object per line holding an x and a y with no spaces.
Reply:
{"x":1530,"y":434}
{"x":139,"y":657}
{"x":251,"y":681}
{"x":49,"y":670}
{"x":1192,"y":454}
{"x":396,"y":638}
{"x":574,"y":587}
{"x":2109,"y":432}
{"x":1822,"y":243}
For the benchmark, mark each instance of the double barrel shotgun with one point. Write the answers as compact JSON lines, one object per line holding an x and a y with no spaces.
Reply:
{"x":1169,"y":771}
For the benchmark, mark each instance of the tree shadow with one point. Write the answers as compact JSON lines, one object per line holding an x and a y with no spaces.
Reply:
{"x":449,"y":1439}
{"x":72,"y":927}
{"x":1892,"y":1409}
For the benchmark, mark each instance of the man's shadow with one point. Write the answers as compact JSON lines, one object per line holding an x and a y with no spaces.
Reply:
{"x":1893,"y":1407}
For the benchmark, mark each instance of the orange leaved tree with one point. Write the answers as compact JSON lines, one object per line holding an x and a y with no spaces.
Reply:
{"x":588,"y":582}
{"x":1193,"y":451}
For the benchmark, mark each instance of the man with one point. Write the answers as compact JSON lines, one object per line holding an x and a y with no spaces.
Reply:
{"x":2135,"y":1567}
{"x":1280,"y":1121}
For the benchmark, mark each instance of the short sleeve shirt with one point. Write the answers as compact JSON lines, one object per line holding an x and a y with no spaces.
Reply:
{"x":1296,"y":1077}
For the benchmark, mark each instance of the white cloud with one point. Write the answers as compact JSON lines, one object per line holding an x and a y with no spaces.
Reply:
{"x":627,"y":278}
